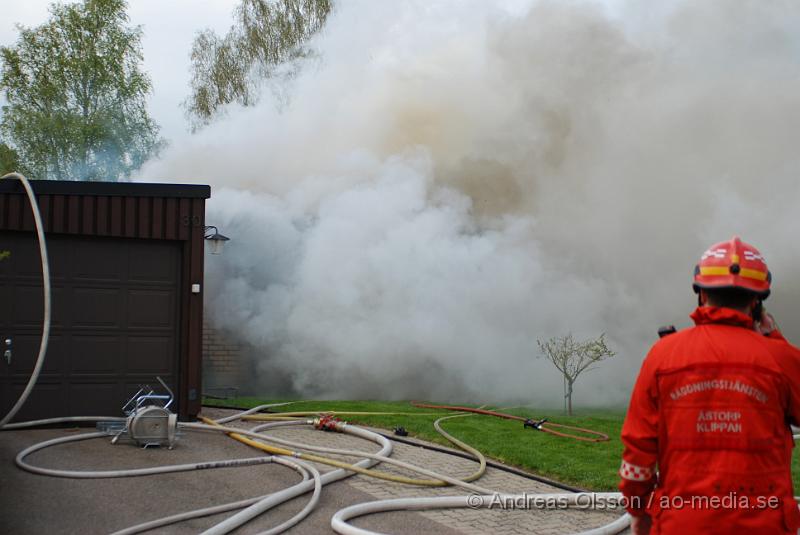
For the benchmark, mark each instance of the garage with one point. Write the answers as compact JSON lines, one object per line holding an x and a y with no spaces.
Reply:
{"x":126,"y":263}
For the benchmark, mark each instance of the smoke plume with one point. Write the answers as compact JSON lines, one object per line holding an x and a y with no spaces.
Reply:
{"x":449,"y":182}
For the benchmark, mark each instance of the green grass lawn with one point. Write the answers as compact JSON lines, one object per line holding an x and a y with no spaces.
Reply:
{"x":590,"y":465}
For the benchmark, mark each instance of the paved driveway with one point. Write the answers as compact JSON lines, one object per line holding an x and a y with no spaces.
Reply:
{"x":39,"y":504}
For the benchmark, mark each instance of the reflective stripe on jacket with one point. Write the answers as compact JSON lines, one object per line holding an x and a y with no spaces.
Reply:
{"x":707,"y":439}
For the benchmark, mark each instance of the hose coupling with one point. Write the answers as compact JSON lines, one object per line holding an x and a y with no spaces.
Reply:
{"x":328,"y":423}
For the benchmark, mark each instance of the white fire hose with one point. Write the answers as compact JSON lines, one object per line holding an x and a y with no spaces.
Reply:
{"x":37,"y":218}
{"x":259,"y":505}
{"x":474,"y":501}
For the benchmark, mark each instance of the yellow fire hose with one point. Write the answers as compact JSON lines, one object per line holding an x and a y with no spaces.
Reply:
{"x":275,"y":450}
{"x":274,"y":418}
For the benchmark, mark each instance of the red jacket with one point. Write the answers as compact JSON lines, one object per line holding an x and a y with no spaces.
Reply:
{"x":711,"y":410}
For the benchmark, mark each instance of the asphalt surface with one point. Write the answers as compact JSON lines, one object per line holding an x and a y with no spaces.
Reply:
{"x":33,"y":504}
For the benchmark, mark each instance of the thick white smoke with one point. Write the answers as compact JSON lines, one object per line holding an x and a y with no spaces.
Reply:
{"x":451,"y":181}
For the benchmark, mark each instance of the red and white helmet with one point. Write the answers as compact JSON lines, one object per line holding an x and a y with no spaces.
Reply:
{"x":733,"y":264}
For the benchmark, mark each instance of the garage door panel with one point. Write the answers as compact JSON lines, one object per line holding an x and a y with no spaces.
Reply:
{"x":59,"y":307}
{"x":28,"y":306}
{"x":25,"y":351}
{"x":86,"y":398}
{"x":59,"y":259}
{"x":151,"y":309}
{"x":19,"y":257}
{"x":96,"y":354}
{"x":22,"y":260}
{"x":97,"y":307}
{"x":5,"y":258}
{"x":6,"y":294}
{"x":115,"y":322}
{"x":153,"y":264}
{"x":45,"y":401}
{"x":95,"y":263}
{"x":149,"y":354}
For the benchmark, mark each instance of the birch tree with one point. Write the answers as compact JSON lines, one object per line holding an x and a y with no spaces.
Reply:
{"x":76,"y":95}
{"x":572,"y":358}
{"x":266,"y":35}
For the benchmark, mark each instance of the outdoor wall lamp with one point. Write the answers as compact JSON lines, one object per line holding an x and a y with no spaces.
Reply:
{"x":215,"y":239}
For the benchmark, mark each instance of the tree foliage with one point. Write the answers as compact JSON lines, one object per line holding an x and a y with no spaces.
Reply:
{"x":266,"y":35}
{"x":572,"y":358}
{"x":75,"y":94}
{"x":9,"y":160}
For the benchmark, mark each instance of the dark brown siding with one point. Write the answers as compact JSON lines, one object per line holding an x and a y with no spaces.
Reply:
{"x":169,"y":213}
{"x":148,"y":218}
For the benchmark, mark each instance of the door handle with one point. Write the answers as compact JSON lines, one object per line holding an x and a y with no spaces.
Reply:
{"x":7,"y":352}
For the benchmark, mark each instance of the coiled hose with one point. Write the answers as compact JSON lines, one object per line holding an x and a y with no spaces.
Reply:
{"x":339,"y":521}
{"x":479,"y":457}
{"x":263,"y":503}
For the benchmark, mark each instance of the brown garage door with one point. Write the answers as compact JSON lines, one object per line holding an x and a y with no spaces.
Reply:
{"x":114,"y":323}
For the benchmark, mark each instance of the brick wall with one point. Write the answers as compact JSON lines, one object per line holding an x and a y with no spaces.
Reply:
{"x":223,"y":364}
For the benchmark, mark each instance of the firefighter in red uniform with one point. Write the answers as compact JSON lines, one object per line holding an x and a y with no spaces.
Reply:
{"x":707,"y":436}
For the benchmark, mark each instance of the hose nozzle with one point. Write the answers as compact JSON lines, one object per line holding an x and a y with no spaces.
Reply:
{"x":534,"y":424}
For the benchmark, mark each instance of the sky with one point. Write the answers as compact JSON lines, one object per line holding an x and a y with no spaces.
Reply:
{"x":169,"y":28}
